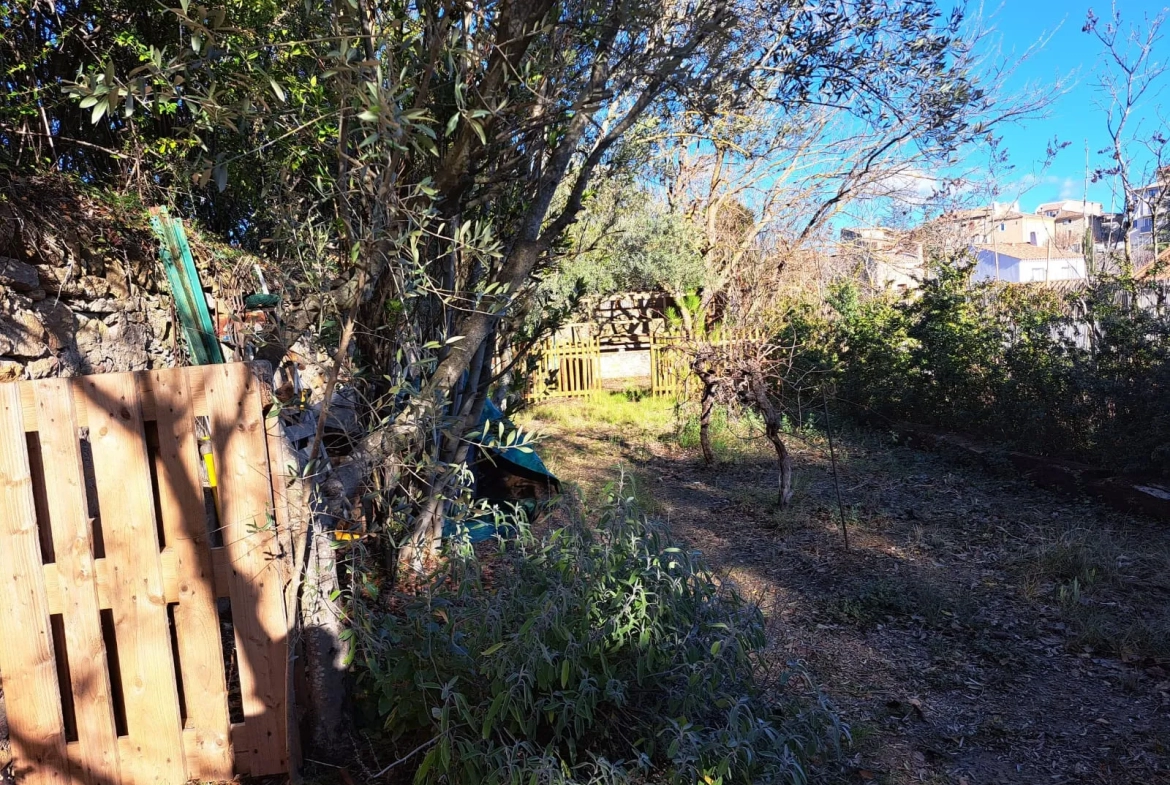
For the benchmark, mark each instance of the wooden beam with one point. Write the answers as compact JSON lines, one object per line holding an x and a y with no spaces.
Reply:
{"x":142,"y":629}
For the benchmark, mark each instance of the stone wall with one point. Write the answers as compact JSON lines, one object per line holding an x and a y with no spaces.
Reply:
{"x":78,"y":285}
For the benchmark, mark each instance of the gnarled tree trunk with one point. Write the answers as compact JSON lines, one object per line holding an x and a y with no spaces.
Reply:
{"x":772,"y":421}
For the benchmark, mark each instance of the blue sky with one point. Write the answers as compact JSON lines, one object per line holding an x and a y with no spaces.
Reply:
{"x":1075,"y":56}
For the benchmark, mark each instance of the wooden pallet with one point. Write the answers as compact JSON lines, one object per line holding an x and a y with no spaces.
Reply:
{"x":113,"y":661}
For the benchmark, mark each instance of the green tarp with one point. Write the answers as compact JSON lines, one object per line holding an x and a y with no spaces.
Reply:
{"x":526,"y":460}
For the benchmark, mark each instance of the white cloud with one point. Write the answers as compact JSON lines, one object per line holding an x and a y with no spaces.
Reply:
{"x":913,"y":188}
{"x":1044,"y":188}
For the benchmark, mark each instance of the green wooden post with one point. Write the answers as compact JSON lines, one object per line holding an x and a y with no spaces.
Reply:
{"x":185,"y":288}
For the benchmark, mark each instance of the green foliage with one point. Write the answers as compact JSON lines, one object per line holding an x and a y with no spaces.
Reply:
{"x":1083,"y":376}
{"x":627,"y":241}
{"x":735,"y":432}
{"x":600,"y":653}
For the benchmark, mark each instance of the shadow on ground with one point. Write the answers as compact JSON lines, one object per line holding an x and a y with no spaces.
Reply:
{"x":978,"y":631}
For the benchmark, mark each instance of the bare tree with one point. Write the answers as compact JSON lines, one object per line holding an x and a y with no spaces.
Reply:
{"x":1132,"y":75}
{"x":763,"y":180}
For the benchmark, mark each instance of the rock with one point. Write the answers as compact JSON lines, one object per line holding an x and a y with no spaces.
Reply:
{"x":108,"y":305}
{"x":43,"y":368}
{"x":1057,"y":475}
{"x":91,"y":333}
{"x":125,"y":346}
{"x":59,"y":322}
{"x":72,"y":363}
{"x":22,"y":334}
{"x":77,"y":287}
{"x":17,"y":275}
{"x":10,"y":371}
{"x":119,"y":286}
{"x":1133,"y":494}
{"x":158,"y":317}
{"x":8,"y":224}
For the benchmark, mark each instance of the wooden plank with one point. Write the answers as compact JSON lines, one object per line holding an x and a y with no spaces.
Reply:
{"x":32,"y":696}
{"x":238,"y":443}
{"x":28,"y":403}
{"x":292,"y":525}
{"x":180,"y":493}
{"x":103,"y":580}
{"x":73,"y":544}
{"x":125,"y":496}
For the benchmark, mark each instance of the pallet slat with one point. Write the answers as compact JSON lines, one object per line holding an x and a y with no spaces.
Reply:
{"x":77,"y":583}
{"x":238,"y":440}
{"x":125,"y":495}
{"x":103,"y":579}
{"x":180,"y":490}
{"x":289,"y":503}
{"x":32,"y":696}
{"x":28,"y":403}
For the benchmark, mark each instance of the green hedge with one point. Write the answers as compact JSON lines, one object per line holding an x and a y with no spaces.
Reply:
{"x":1004,"y":363}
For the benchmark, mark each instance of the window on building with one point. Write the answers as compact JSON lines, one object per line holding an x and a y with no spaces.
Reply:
{"x":1003,"y":227}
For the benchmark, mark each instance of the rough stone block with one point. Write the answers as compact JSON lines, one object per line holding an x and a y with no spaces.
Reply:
{"x":18,"y":276}
{"x":59,"y":322}
{"x":10,"y":371}
{"x":22,"y":334}
{"x":43,"y":368}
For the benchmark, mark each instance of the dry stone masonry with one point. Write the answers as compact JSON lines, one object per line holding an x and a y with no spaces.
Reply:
{"x":78,"y":290}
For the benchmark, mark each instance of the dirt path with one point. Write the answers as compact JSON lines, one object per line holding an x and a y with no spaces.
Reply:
{"x":979,"y":630}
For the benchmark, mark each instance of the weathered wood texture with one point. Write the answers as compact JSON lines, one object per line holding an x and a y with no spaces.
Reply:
{"x":135,"y":591}
{"x":567,"y":370}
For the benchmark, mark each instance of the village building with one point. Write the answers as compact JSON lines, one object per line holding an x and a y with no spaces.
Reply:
{"x":998,"y":223}
{"x":1026,"y":263}
{"x":1073,"y":216}
{"x":886,"y":259}
{"x":1152,"y":212}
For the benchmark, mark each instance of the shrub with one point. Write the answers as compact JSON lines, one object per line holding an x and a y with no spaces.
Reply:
{"x":597,"y":653}
{"x":1083,"y":376}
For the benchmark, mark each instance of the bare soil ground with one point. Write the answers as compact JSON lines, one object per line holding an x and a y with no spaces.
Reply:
{"x":979,"y":630}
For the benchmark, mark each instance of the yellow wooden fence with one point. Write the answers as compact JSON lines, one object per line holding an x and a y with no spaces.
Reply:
{"x":670,"y":361}
{"x":567,"y":369}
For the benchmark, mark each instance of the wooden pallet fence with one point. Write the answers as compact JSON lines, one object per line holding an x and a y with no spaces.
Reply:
{"x":567,"y":369}
{"x":116,"y":581}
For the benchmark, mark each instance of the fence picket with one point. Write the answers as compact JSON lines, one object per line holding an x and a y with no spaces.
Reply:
{"x":577,"y":365}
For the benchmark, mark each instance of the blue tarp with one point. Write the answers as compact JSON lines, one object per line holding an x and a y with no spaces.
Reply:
{"x":514,"y":455}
